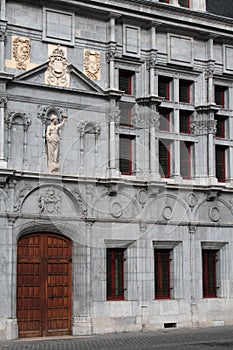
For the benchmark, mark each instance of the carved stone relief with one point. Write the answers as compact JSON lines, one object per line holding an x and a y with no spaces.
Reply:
{"x":21,"y":51}
{"x":92,"y":64}
{"x":20,"y":194}
{"x":57,"y":73}
{"x":50,"y":202}
{"x":20,"y":54}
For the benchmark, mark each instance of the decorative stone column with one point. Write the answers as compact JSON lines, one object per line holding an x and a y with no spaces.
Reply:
{"x":82,"y":320}
{"x":151,"y":122}
{"x":113,"y":120}
{"x":3,"y":27}
{"x":203,"y":125}
{"x":11,"y":321}
{"x":3,"y":101}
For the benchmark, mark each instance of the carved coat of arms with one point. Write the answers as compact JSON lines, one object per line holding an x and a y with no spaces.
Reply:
{"x":92,"y":64}
{"x":57,"y":68}
{"x":21,"y":51}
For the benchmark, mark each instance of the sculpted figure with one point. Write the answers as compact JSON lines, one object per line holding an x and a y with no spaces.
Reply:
{"x":53,"y":138}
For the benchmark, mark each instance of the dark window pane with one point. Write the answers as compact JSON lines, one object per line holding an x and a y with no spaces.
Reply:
{"x":220,"y":163}
{"x":220,"y":95}
{"x":209,"y":273}
{"x":164,"y":159}
{"x":185,"y":122}
{"x":162,"y":273}
{"x":115,"y":274}
{"x":125,"y":81}
{"x":164,"y":87}
{"x":126,"y":113}
{"x":184,"y":91}
{"x":220,"y":127}
{"x":164,"y":121}
{"x":184,"y":3}
{"x":185,"y":148}
{"x":125,"y":161}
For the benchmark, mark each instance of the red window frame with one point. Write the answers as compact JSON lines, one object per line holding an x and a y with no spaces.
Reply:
{"x":184,"y":122}
{"x":184,"y":3}
{"x":125,"y":81}
{"x":164,"y":87}
{"x":164,"y":124}
{"x":164,"y":159}
{"x":162,"y":273}
{"x":209,"y":260}
{"x":220,"y":126}
{"x":220,"y":163}
{"x":115,"y":274}
{"x":185,"y":91}
{"x":125,"y":154}
{"x":219,"y":95}
{"x":185,"y":159}
{"x":167,"y":1}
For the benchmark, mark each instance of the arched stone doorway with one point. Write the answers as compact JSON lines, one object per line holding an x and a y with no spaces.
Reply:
{"x":44,"y":285}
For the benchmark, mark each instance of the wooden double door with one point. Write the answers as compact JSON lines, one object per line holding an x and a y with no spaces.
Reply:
{"x":44,"y":285}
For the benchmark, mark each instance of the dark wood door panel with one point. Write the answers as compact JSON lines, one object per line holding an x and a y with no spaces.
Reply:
{"x":44,"y":285}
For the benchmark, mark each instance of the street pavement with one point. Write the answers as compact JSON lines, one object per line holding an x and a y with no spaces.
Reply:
{"x":214,"y":338}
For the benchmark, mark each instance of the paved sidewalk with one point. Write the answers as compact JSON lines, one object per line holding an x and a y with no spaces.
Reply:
{"x":137,"y":341}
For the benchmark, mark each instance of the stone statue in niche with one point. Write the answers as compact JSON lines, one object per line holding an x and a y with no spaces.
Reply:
{"x":53,"y":134}
{"x":50,"y":202}
{"x":21,"y":51}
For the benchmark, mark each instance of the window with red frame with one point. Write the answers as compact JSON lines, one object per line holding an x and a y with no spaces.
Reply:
{"x":126,"y":154}
{"x":220,"y":163}
{"x":164,"y":87}
{"x":126,"y":81}
{"x":209,"y":260}
{"x":219,"y":93}
{"x":185,"y":150}
{"x":185,"y":91}
{"x":126,"y":113}
{"x":164,"y":121}
{"x":164,"y":159}
{"x":162,"y":273}
{"x":220,"y":126}
{"x":115,"y":274}
{"x":185,"y":122}
{"x":184,"y":3}
{"x":167,"y":1}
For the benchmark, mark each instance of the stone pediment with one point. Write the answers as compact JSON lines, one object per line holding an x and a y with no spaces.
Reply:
{"x":76,"y":79}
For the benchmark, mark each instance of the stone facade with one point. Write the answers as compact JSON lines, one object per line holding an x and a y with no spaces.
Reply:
{"x":97,"y":62}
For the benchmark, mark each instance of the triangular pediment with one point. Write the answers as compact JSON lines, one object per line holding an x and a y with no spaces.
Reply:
{"x":76,"y":79}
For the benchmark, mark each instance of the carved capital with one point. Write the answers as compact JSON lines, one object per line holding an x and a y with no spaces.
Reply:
{"x":3,"y":27}
{"x":110,"y":56}
{"x":203,"y":127}
{"x":3,"y":101}
{"x":192,"y":229}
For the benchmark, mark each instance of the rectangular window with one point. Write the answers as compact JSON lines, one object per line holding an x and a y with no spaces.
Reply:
{"x":164,"y":121}
{"x":126,"y":81}
{"x":164,"y":159}
{"x":209,"y":259}
{"x":167,"y":1}
{"x":164,"y":87}
{"x":162,"y":273}
{"x":220,"y":126}
{"x":220,"y":92}
{"x":185,"y":91}
{"x":184,"y":3}
{"x":185,"y":122}
{"x":126,"y":113}
{"x":115,"y":274}
{"x":126,"y":154}
{"x":220,"y":163}
{"x":185,"y":150}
